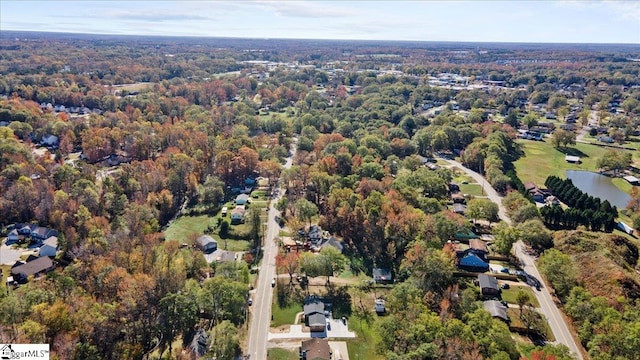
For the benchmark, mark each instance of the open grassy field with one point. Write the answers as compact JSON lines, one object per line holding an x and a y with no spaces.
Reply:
{"x":188,"y":227}
{"x":510,"y":295}
{"x":364,"y":345}
{"x":541,"y":160}
{"x":472,"y":189}
{"x":284,"y":316}
{"x":281,"y":354}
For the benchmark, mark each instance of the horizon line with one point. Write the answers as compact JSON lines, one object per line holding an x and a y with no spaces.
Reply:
{"x":300,"y":39}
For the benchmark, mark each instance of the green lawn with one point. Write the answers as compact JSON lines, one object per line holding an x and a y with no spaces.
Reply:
{"x":186,"y":227}
{"x":541,"y":160}
{"x":509,"y":295}
{"x":284,"y":316}
{"x":472,"y":189}
{"x":281,"y":354}
{"x":364,"y":345}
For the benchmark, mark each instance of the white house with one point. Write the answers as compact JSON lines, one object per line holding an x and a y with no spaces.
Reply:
{"x":49,"y":247}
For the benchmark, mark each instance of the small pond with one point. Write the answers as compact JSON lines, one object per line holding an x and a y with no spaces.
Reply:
{"x":600,"y":186}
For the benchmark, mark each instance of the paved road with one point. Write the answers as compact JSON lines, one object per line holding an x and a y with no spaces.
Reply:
{"x":548,"y":307}
{"x":261,"y":310}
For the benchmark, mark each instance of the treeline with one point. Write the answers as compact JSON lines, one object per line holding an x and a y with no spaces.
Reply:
{"x":584,"y":209}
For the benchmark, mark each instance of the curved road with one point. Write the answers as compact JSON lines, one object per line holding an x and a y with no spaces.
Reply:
{"x":547,"y":305}
{"x":260,"y":321}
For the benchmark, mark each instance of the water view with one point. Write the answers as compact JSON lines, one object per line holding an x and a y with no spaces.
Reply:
{"x":598,"y":185}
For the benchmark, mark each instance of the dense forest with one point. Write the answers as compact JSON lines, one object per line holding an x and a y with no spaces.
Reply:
{"x":109,"y":139}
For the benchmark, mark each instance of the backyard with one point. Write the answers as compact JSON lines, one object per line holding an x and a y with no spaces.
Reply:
{"x":190,"y":227}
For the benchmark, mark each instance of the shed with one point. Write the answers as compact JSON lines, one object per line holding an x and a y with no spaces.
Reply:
{"x":242,"y":199}
{"x":315,"y":349}
{"x":380,"y":306}
{"x":49,"y":247}
{"x":207,"y":244}
{"x":382,"y":275}
{"x":496,"y":309}
{"x":488,"y":285}
{"x":472,"y":262}
{"x":632,"y":180}
{"x":572,"y":159}
{"x":624,"y":227}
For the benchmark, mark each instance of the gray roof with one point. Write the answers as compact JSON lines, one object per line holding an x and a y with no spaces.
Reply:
{"x":33,"y":267}
{"x":316,"y":319}
{"x":313,"y":307}
{"x":496,"y":309}
{"x":487,"y":281}
{"x":205,"y":240}
{"x":333,"y":242}
{"x":382,"y":274}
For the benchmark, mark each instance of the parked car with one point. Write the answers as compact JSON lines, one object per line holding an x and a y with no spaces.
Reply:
{"x":505,"y":286}
{"x":328,"y":326}
{"x":250,"y":302}
{"x":273,"y":282}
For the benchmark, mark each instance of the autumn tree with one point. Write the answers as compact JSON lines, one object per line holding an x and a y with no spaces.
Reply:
{"x":289,"y":263}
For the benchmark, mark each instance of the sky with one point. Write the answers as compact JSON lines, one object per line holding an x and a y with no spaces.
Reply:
{"x":556,"y":21}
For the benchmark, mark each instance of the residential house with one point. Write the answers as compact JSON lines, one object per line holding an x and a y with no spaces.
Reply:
{"x":25,"y":229}
{"x":333,"y":242}
{"x":552,"y":200}
{"x":314,"y":314}
{"x":220,"y":255}
{"x":207,"y":244}
{"x":473,"y":263}
{"x":496,"y":309}
{"x":382,"y":276}
{"x":49,"y":247}
{"x":13,"y":236}
{"x":50,"y":141}
{"x":41,"y":233}
{"x":237,"y":215}
{"x":117,"y":158}
{"x":459,"y":209}
{"x":478,"y":246}
{"x":35,"y":268}
{"x":315,"y":349}
{"x":315,"y":234}
{"x":458,"y":198}
{"x":242,"y":199}
{"x":488,"y":285}
{"x":605,"y":139}
{"x":465,"y":235}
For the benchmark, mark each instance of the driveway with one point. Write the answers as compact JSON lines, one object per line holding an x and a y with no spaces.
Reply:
{"x":9,"y":256}
{"x":337,"y":330}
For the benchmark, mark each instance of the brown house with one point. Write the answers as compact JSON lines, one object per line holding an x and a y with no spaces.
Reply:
{"x":315,"y":349}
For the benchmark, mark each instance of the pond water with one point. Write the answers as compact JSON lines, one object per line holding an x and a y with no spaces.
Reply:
{"x":600,"y":186}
